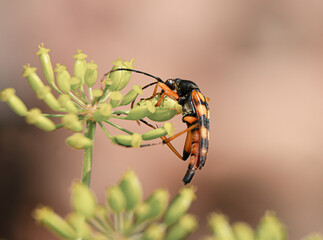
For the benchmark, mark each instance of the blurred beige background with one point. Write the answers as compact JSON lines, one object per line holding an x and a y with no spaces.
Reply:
{"x":260,"y":62}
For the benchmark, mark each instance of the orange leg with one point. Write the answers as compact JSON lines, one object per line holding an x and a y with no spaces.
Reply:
{"x":188,"y":141}
{"x":167,"y":92}
{"x":180,"y":133}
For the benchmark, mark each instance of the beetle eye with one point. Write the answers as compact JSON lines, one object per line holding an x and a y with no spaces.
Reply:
{"x":170,"y":83}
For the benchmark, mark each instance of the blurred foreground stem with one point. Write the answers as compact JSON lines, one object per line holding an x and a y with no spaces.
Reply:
{"x":87,"y":161}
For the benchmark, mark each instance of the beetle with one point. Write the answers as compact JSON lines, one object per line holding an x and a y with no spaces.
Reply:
{"x":195,"y":113}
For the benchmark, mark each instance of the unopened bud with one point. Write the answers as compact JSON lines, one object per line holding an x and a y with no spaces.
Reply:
{"x":120,"y":79}
{"x":80,"y":65}
{"x":186,"y":225}
{"x":131,"y":95}
{"x":71,"y":121}
{"x":79,"y":141}
{"x":46,"y":64}
{"x":138,"y":112}
{"x":159,"y":132}
{"x":54,"y":222}
{"x":83,"y":200}
{"x":115,"y":98}
{"x":167,"y":110}
{"x":141,"y":212}
{"x":154,"y":232}
{"x":66,"y":103}
{"x":46,"y":95}
{"x":33,"y":79}
{"x":156,"y":203}
{"x":116,"y":199}
{"x":220,"y":226}
{"x":75,"y":83}
{"x":179,"y":205}
{"x":155,"y":133}
{"x":97,"y":93}
{"x":63,"y":78}
{"x":8,"y":95}
{"x":78,"y":222}
{"x":133,"y":140}
{"x":35,"y":117}
{"x":242,"y":231}
{"x":91,"y":74}
{"x":132,"y":190}
{"x":103,"y":113}
{"x":270,"y":228}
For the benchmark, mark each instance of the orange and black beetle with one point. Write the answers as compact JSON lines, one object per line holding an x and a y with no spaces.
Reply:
{"x":196,"y":115}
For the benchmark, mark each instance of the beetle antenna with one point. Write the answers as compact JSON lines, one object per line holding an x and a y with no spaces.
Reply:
{"x":136,"y":71}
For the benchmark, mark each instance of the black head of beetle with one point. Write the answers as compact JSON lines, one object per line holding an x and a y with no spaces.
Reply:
{"x":182,"y":87}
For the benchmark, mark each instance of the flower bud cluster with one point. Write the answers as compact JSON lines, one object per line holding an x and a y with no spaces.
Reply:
{"x":269,"y":228}
{"x":125,"y":214}
{"x":76,"y":107}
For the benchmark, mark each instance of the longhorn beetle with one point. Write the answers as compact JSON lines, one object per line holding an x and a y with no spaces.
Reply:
{"x":195,"y":114}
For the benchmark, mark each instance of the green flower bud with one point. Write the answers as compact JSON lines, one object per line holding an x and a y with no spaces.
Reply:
{"x":242,"y":231}
{"x":91,"y":74}
{"x":46,"y":95}
{"x":133,"y":140}
{"x":314,"y":236}
{"x":54,"y":222}
{"x":79,"y":141}
{"x":35,"y":117}
{"x":156,"y":203}
{"x":131,"y":95}
{"x":132,"y":190}
{"x":138,"y":112}
{"x":120,"y":79}
{"x":63,"y":78}
{"x":186,"y":225}
{"x":221,"y":227}
{"x":270,"y":228}
{"x":115,"y":98}
{"x":8,"y":95}
{"x":71,"y":122}
{"x":150,"y":106}
{"x":155,"y":133}
{"x":82,"y":229}
{"x":116,"y":199}
{"x":66,"y":103}
{"x":46,"y":64}
{"x":154,"y":232}
{"x":97,"y":93}
{"x":179,"y":205}
{"x":83,"y":200}
{"x":141,"y":212}
{"x":33,"y":79}
{"x":75,"y":83}
{"x":159,"y":132}
{"x":103,"y":113}
{"x":167,"y":110}
{"x":80,"y":65}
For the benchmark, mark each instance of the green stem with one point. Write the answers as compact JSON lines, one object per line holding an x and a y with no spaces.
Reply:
{"x":77,"y":100}
{"x":106,"y":131}
{"x":120,"y":128}
{"x":87,"y":161}
{"x":59,"y":126}
{"x":83,"y":95}
{"x":53,"y":115}
{"x":90,"y":94}
{"x":56,"y":88}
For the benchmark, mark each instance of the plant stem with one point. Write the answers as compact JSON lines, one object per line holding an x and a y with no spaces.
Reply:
{"x":87,"y":161}
{"x":120,"y":128}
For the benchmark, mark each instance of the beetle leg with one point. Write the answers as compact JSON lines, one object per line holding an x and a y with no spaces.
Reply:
{"x":180,"y":133}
